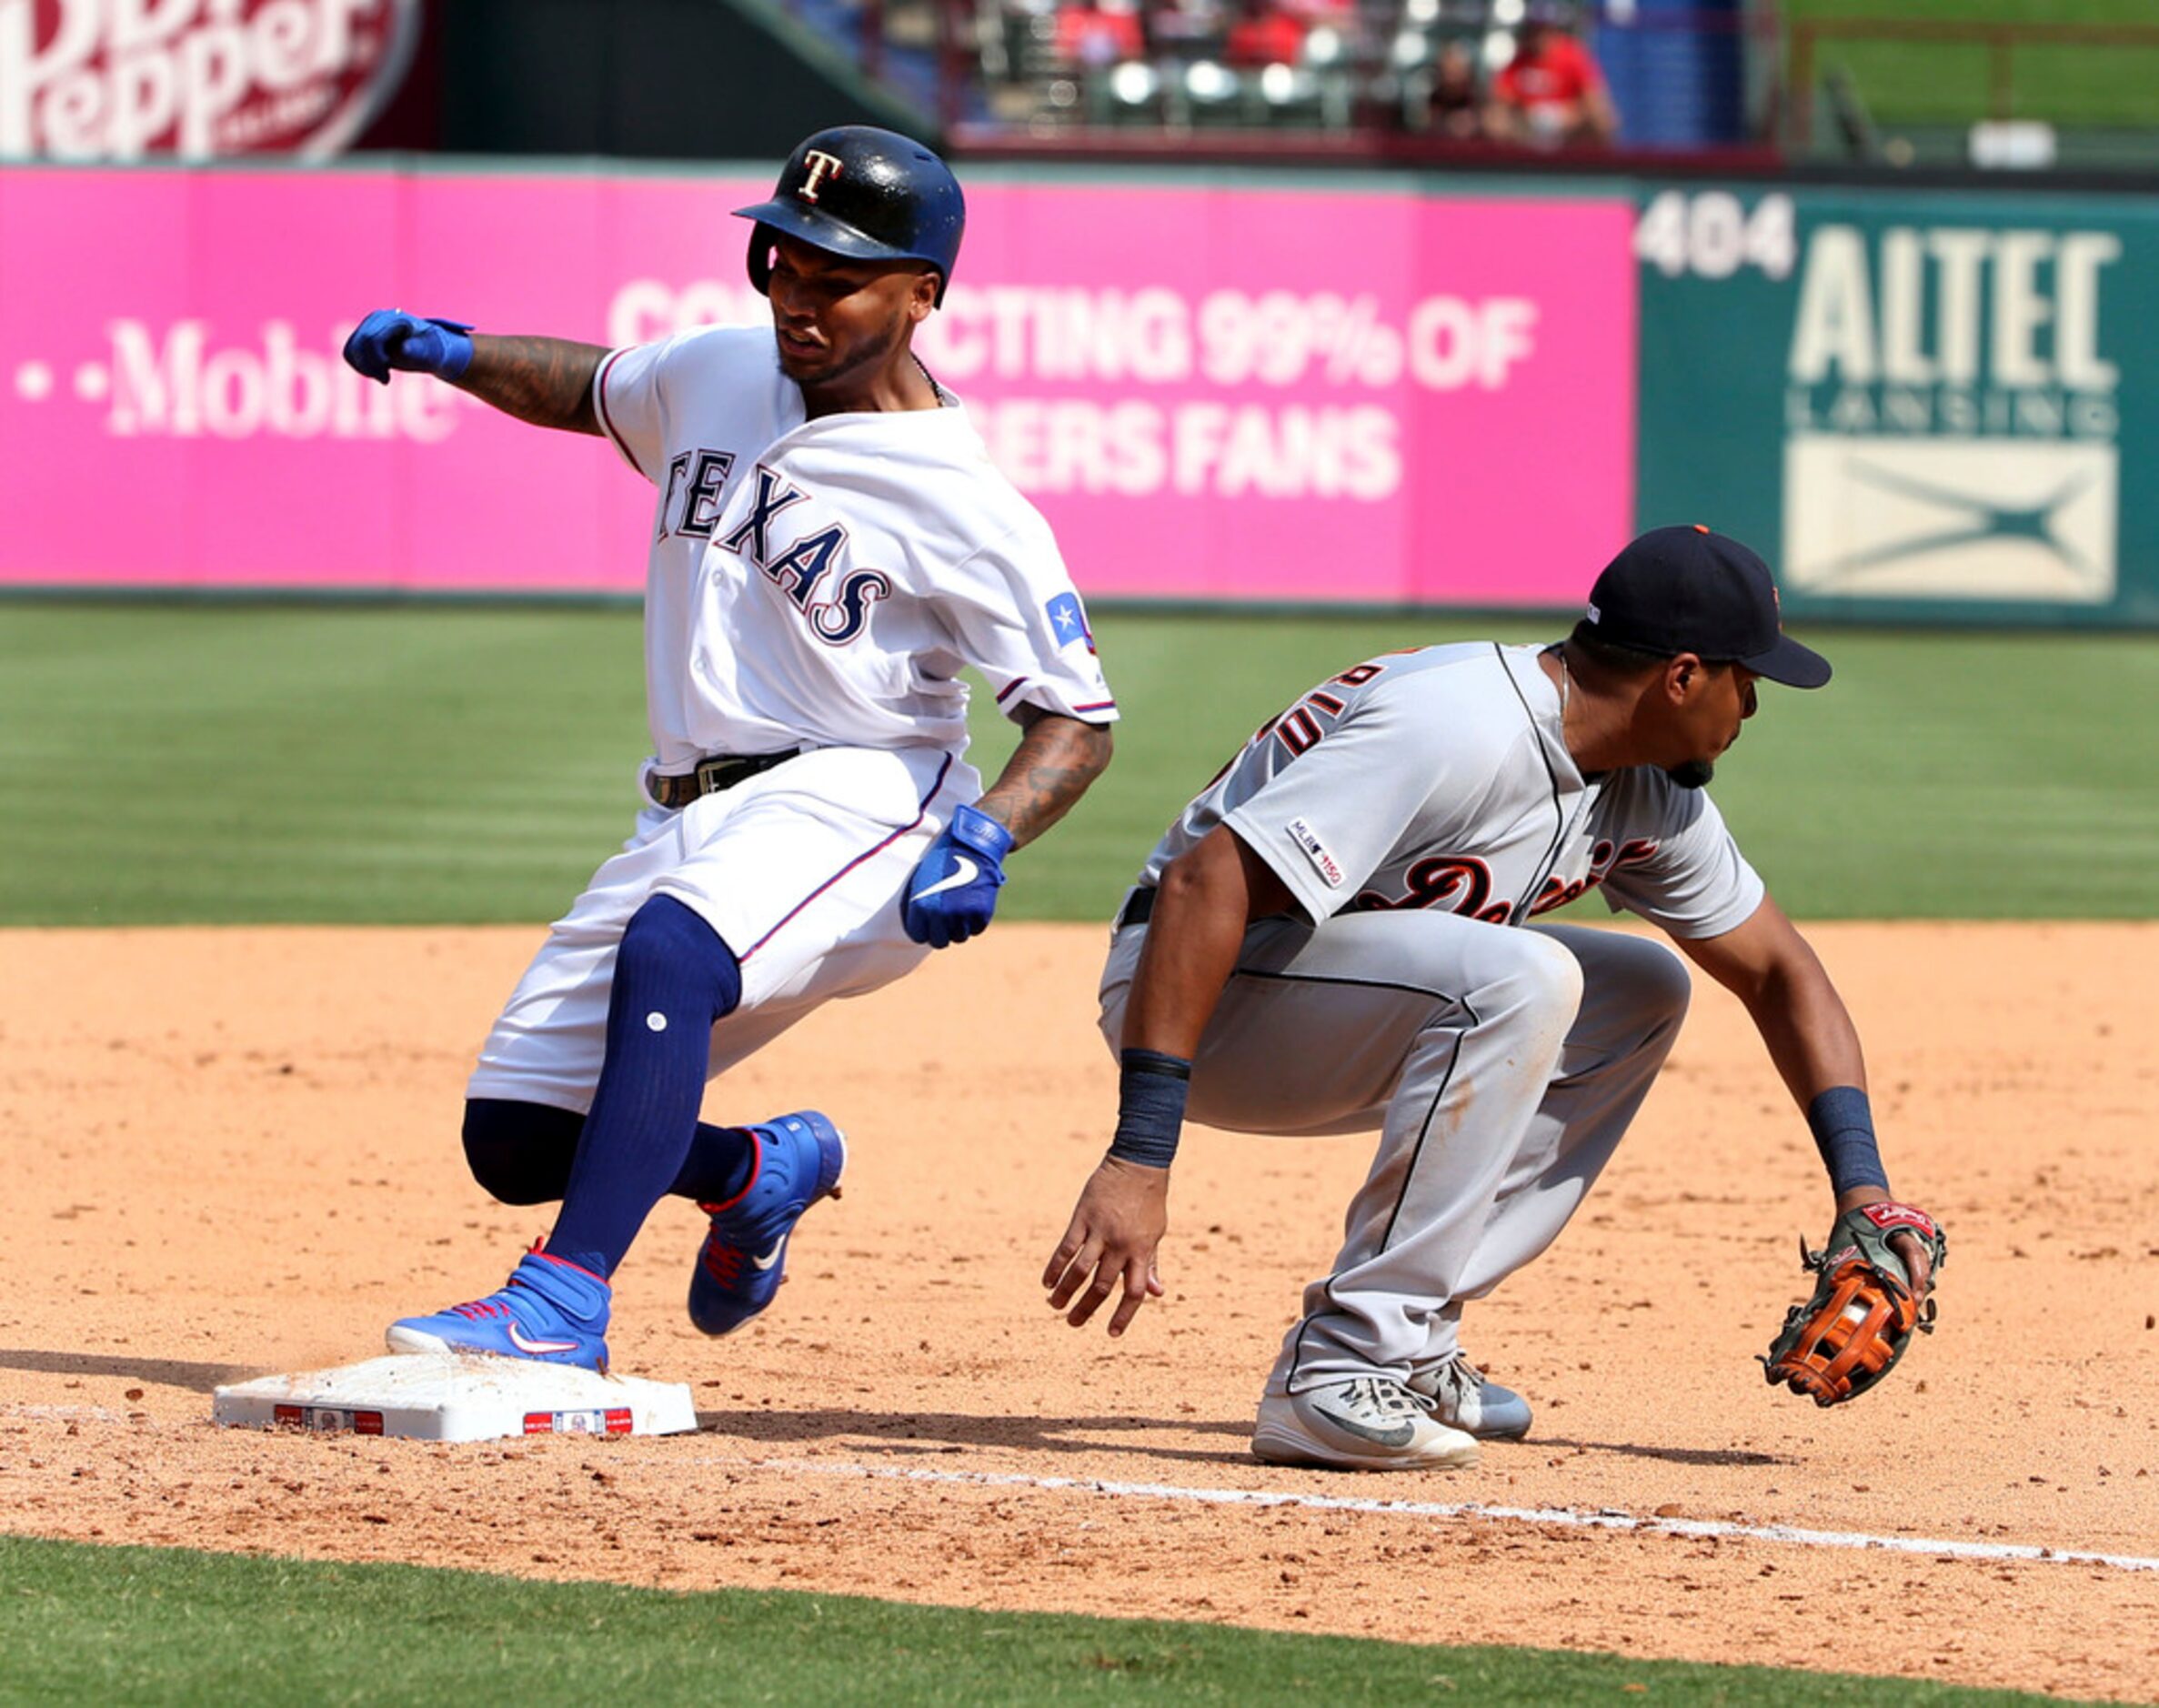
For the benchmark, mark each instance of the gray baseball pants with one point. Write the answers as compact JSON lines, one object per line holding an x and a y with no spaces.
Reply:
{"x":1501,"y":1065}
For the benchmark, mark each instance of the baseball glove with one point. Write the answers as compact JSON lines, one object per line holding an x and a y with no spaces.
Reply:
{"x":1847,"y":1337}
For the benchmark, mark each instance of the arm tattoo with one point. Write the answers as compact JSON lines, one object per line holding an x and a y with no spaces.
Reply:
{"x":1056,"y":759}
{"x":544,"y":381}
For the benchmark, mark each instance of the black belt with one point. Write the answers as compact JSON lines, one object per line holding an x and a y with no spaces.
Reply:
{"x":710,"y":777}
{"x":1139,"y":908}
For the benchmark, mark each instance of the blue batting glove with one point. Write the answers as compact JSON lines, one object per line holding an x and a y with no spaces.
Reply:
{"x":954,"y":890}
{"x":389,"y":337}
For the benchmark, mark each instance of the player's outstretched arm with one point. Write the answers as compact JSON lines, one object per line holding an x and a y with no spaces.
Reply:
{"x":544,"y":381}
{"x":1775,"y":973}
{"x":953,"y":890}
{"x":1206,"y":899}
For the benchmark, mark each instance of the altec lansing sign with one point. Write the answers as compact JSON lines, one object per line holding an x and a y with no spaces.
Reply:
{"x":120,"y":79}
{"x":1952,"y":425}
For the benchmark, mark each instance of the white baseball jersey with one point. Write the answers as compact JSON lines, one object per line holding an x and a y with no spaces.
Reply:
{"x":1439,"y":779}
{"x":1419,"y":808}
{"x":812,"y":586}
{"x":820,"y":582}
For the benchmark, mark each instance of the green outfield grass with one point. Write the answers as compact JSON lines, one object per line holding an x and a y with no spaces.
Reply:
{"x":1928,"y":83}
{"x":238,"y":763}
{"x":135,"y":1624}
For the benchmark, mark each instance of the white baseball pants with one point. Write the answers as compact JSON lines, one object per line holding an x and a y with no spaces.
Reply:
{"x":799,"y":870}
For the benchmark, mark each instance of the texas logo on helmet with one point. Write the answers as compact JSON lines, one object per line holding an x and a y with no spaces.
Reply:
{"x":820,"y":166}
{"x":866,"y":194}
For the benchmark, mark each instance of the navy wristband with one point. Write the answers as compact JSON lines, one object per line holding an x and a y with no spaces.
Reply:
{"x":1844,"y":1128}
{"x":1151,"y":1094}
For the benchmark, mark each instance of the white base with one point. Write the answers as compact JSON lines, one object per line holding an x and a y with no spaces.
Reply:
{"x":455,"y":1397}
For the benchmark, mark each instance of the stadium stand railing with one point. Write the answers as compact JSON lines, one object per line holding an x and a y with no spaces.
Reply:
{"x":2033,"y":93}
{"x":1324,"y":78}
{"x":1696,"y":84}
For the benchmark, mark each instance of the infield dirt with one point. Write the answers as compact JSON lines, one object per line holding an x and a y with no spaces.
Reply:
{"x":233,"y":1153}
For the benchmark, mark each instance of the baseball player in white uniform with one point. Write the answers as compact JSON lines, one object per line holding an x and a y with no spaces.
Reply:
{"x":831,"y":546}
{"x":1338,"y":934}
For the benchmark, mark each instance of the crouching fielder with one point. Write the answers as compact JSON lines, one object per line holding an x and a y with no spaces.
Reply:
{"x":1338,"y":935}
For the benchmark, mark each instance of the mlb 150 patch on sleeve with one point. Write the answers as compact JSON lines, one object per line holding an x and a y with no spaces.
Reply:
{"x":1316,"y":852}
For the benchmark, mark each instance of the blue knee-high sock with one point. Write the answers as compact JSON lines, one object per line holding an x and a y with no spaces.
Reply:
{"x":673,"y":978}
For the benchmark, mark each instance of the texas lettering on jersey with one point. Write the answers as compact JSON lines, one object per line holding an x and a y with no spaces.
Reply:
{"x":690,"y":507}
{"x":799,"y":570}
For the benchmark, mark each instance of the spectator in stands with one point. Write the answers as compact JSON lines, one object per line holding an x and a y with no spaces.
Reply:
{"x":1455,"y":107}
{"x":1187,"y":29}
{"x":1264,"y":35}
{"x":1094,"y":34}
{"x":1551,"y":93}
{"x":1337,"y":15}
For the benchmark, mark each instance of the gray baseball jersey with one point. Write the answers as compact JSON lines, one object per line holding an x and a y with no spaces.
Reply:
{"x":1420,"y":808}
{"x":1438,"y":779}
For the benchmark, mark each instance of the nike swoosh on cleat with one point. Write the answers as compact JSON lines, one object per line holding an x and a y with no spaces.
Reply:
{"x":964,"y":872}
{"x":770,"y":1258}
{"x":536,"y":1348}
{"x":1398,"y":1436}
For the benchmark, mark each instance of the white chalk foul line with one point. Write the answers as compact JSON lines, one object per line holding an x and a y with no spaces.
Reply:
{"x":1567,"y":1517}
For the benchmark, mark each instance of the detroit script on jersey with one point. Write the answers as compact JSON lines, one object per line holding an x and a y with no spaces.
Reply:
{"x":1462,"y":883}
{"x":1439,"y":777}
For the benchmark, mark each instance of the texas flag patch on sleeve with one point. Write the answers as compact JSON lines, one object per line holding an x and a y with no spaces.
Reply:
{"x":1067,"y":621}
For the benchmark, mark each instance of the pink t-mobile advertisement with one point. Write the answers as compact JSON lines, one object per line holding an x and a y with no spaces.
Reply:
{"x":1219,"y":392}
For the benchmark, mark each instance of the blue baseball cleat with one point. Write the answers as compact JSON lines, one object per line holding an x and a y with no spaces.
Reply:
{"x":744,"y":1257}
{"x":549,"y":1311}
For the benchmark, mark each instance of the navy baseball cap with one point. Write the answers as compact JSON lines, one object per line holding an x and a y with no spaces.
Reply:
{"x":1686,"y":589}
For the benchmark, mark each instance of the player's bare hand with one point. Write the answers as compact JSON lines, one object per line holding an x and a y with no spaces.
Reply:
{"x":1109,"y":1247}
{"x":1918,"y":1264}
{"x":1910,"y":1248}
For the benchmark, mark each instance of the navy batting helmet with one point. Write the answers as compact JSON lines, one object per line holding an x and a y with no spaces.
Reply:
{"x":863,"y":193}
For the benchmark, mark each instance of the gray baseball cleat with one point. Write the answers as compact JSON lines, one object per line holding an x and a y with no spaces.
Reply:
{"x":1462,"y":1398}
{"x":1367,"y":1423}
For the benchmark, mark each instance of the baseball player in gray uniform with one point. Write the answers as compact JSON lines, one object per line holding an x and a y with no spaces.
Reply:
{"x":1339,"y":934}
{"x":830,"y":545}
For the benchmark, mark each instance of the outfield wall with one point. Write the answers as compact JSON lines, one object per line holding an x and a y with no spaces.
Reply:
{"x":1217,"y":386}
{"x":1922,"y":404}
{"x":1176,"y":374}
